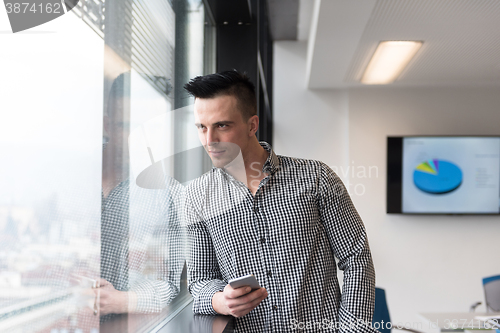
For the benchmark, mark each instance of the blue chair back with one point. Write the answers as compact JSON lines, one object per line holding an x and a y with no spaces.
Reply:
{"x":491,"y":286}
{"x":381,"y":313}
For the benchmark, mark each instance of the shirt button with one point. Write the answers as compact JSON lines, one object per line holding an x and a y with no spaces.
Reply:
{"x":275,"y":307}
{"x":256,"y":209}
{"x":262,"y":240}
{"x":269,"y":273}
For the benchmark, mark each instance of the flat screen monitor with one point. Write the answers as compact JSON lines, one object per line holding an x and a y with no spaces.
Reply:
{"x":443,"y":175}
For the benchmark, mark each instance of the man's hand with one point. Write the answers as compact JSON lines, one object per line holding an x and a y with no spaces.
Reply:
{"x":237,"y":302}
{"x":112,"y":300}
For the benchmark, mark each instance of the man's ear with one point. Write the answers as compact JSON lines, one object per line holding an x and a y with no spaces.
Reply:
{"x":253,"y":123}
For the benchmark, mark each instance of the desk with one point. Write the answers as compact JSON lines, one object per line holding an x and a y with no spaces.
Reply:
{"x":455,"y":321}
{"x":186,"y":321}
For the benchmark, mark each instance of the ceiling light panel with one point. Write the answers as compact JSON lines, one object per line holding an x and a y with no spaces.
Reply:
{"x":389,"y":60}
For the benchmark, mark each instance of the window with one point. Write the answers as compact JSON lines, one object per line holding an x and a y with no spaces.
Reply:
{"x":97,"y":143}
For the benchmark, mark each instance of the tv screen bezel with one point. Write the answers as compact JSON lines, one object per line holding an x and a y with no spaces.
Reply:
{"x":394,"y":174}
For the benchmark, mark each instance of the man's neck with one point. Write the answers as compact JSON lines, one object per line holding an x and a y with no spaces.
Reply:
{"x":255,"y":158}
{"x":247,"y":167}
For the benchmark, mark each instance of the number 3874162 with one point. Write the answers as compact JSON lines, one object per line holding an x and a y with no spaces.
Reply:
{"x":29,"y":7}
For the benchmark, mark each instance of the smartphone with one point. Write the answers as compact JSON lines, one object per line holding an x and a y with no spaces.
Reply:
{"x":85,"y":281}
{"x":243,"y":281}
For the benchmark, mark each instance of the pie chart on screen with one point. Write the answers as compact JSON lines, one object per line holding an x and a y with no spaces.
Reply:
{"x":437,"y":176}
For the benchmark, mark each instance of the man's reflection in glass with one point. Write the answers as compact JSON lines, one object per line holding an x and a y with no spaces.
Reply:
{"x":142,"y":240}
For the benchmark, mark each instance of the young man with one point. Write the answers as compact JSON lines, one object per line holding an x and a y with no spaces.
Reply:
{"x":282,"y":219}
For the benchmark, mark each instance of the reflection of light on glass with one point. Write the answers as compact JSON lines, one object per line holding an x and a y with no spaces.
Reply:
{"x":139,"y":153}
{"x":151,"y":136}
{"x":196,"y":26}
{"x":152,"y":141}
{"x":163,"y":18}
{"x":158,"y":132}
{"x":55,"y":111}
{"x":188,"y":121}
{"x":50,"y":170}
{"x":145,"y":101}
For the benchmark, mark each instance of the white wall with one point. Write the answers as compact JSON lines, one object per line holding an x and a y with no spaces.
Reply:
{"x":296,"y":110}
{"x":425,"y":263}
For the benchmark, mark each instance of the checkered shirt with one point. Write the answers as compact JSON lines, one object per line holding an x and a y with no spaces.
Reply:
{"x":143,"y":242}
{"x":288,"y":236}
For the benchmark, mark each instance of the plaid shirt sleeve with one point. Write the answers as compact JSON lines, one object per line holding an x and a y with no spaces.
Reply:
{"x":348,"y":239}
{"x":204,"y":278}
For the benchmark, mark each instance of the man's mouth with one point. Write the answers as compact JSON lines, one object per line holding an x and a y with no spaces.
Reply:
{"x":216,"y":152}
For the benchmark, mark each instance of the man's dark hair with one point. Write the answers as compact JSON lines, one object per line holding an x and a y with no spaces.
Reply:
{"x":228,"y":83}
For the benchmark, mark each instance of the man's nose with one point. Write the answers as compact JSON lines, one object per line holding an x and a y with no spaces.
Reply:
{"x":211,"y":137}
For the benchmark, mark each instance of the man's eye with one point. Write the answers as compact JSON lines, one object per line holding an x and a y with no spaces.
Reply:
{"x":222,"y":125}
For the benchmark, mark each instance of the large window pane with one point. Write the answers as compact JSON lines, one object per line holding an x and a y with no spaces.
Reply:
{"x":50,"y":139}
{"x":97,"y":143}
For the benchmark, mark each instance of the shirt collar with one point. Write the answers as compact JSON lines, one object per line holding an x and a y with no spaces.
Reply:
{"x":272,"y":163}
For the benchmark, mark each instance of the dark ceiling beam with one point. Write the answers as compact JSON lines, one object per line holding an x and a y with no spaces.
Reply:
{"x":231,"y":12}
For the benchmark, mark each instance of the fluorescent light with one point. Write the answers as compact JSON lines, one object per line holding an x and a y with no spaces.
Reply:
{"x":389,"y":60}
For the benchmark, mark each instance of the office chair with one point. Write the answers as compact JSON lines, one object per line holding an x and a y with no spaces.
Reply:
{"x":381,"y":314}
{"x":491,"y":286}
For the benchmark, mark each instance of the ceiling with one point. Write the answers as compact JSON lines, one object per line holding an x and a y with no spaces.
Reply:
{"x":461,"y":40}
{"x":283,"y":18}
{"x":290,"y":19}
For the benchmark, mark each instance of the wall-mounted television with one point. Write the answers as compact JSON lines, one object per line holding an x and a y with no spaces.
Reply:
{"x":443,"y":175}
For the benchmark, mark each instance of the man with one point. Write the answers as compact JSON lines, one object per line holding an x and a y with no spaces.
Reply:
{"x":282,"y":219}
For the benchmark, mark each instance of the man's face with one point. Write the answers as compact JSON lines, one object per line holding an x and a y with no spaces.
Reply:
{"x":221,"y":128}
